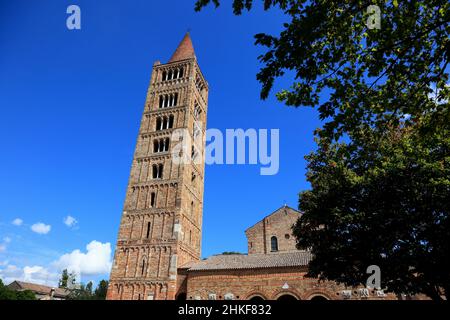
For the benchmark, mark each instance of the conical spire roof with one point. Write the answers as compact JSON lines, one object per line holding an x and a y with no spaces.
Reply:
{"x":185,"y":50}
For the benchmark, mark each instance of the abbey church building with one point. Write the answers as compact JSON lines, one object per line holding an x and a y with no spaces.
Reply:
{"x":158,"y":251}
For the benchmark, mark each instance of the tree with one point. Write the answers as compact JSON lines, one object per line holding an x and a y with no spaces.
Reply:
{"x":89,"y":287}
{"x":81,"y":293}
{"x":25,"y":295}
{"x":84,"y":292}
{"x":354,"y":74}
{"x":63,"y":281}
{"x":381,"y":202}
{"x":101,"y":290}
{"x":67,"y":280}
{"x":380,"y":196}
{"x":8,"y":294}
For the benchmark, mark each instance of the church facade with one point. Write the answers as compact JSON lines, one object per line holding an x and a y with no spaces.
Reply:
{"x":157,"y":256}
{"x":273,"y":268}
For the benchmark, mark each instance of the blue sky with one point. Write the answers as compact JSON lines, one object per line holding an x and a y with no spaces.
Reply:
{"x":71,"y":104}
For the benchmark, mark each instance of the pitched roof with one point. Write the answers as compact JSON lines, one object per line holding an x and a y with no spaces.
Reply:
{"x":285,"y":207}
{"x":38,"y":288}
{"x":185,"y":50}
{"x":252,"y":261}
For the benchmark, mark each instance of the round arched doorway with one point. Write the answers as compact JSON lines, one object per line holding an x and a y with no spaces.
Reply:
{"x":256,"y":299}
{"x":287,"y":297}
{"x":319,"y":298}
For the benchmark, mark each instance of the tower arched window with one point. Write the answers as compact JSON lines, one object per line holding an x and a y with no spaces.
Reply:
{"x":157,"y":171}
{"x":197,"y":111}
{"x":143,"y":267}
{"x":149,"y":225}
{"x":166,"y":144}
{"x":173,"y":74}
{"x":160,"y":171}
{"x":153,"y":199}
{"x":154,"y":171}
{"x":163,"y":123}
{"x":158,"y":124}
{"x":168,"y":100}
{"x":161,"y":145}
{"x":194,"y":153}
{"x":274,"y":244}
{"x":199,"y":84}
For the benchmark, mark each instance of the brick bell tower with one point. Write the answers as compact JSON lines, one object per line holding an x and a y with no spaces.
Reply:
{"x":161,"y":224}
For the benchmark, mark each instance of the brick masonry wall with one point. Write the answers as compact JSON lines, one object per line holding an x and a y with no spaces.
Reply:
{"x":160,"y":226}
{"x":269,"y":284}
{"x":277,"y":224}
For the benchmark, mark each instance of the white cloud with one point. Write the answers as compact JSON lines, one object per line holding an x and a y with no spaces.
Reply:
{"x":40,"y":275}
{"x":6,"y":240}
{"x":96,"y":260}
{"x":17,"y":222}
{"x":41,"y":228}
{"x":70,"y":221}
{"x":34,"y":274}
{"x":10,"y":273}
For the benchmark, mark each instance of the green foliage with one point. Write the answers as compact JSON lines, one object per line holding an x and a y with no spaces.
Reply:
{"x":354,"y":75}
{"x":8,"y":294}
{"x":381,"y":198}
{"x":89,"y":288}
{"x":101,"y":290}
{"x":25,"y":295}
{"x":381,"y":201}
{"x":85,"y":292}
{"x":67,"y":280}
{"x":230,"y":252}
{"x":64,"y":279}
{"x":5,"y":293}
{"x":82,"y":293}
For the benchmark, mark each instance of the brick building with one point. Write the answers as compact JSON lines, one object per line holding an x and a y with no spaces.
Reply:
{"x":273,"y":269}
{"x":160,"y":228}
{"x":40,"y":291}
{"x":272,"y":234}
{"x":158,"y":249}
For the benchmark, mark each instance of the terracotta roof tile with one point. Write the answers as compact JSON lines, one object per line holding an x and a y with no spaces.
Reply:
{"x":253,"y":261}
{"x":184,"y":51}
{"x":41,"y":288}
